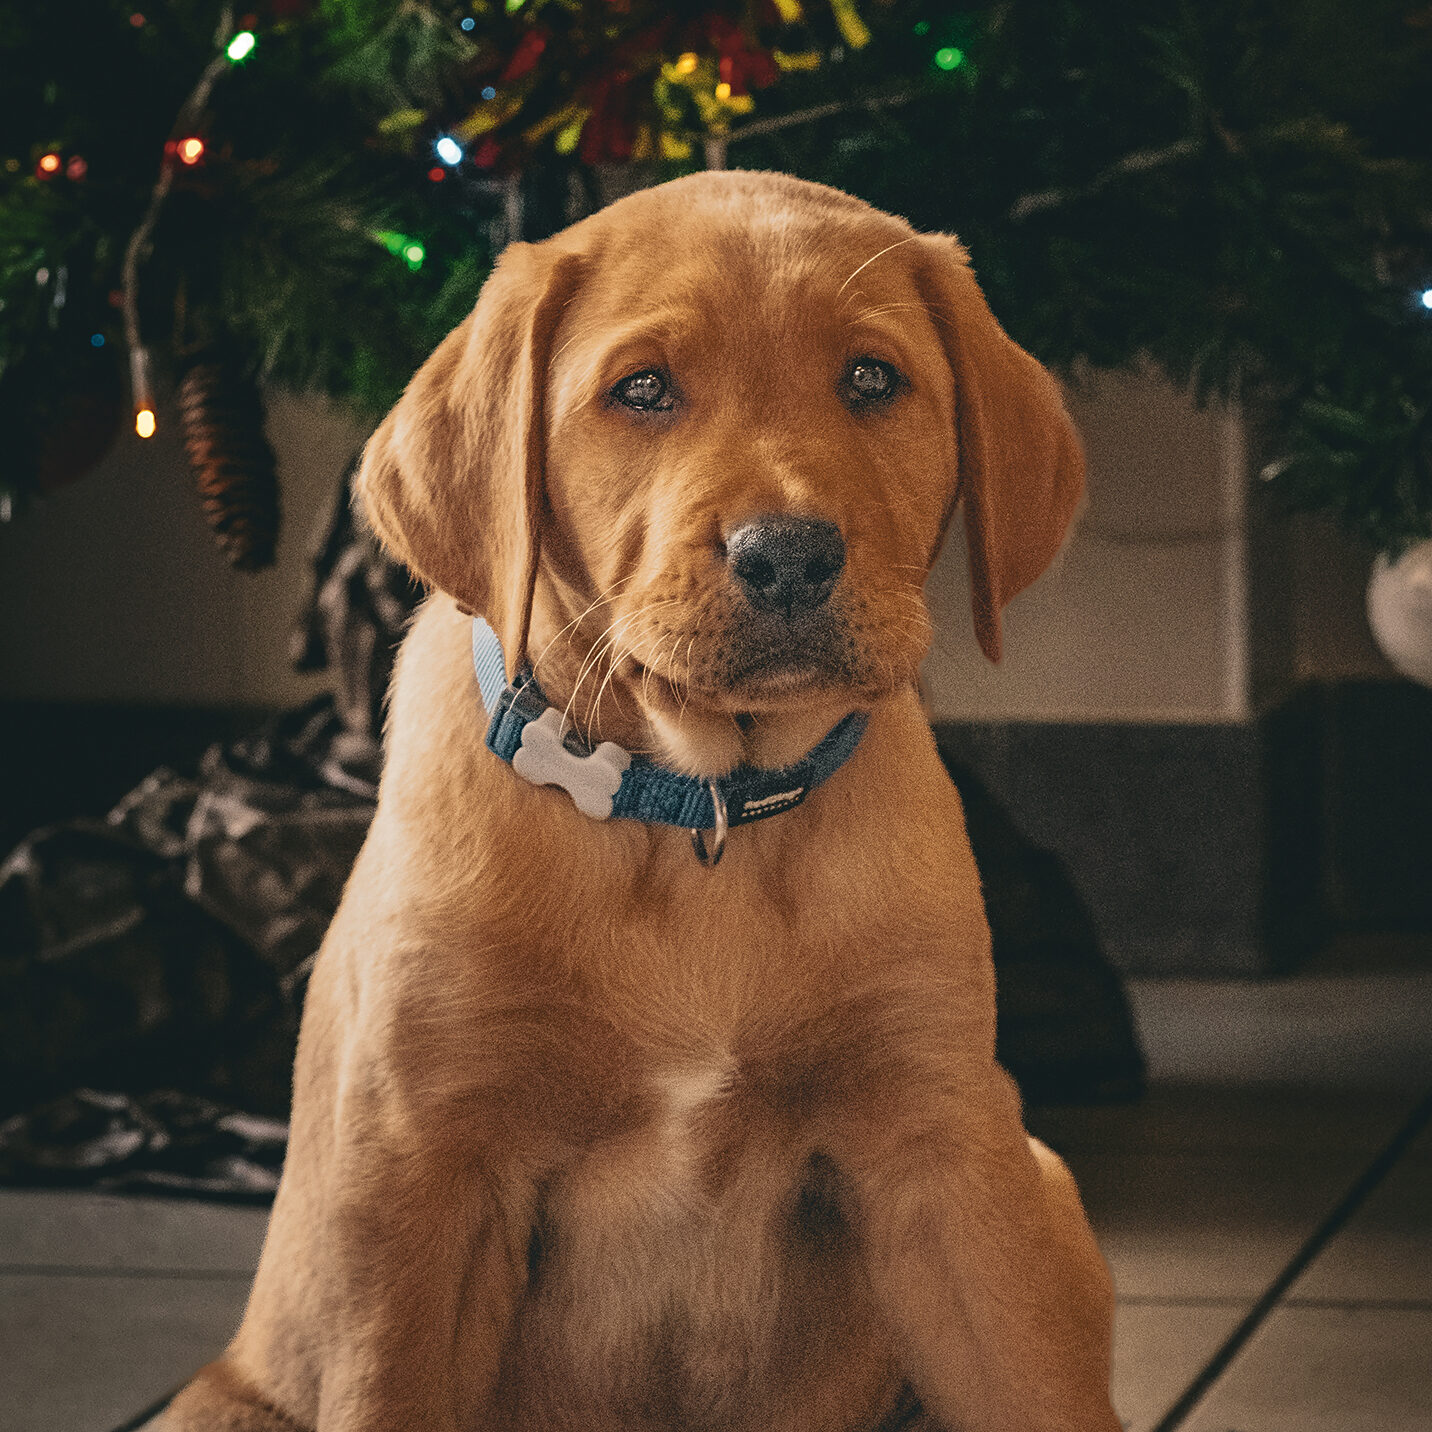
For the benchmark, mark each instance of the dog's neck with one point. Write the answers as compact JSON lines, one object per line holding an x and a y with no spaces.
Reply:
{"x":609,"y":699}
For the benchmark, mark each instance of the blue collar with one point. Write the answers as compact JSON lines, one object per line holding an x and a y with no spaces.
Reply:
{"x":609,"y":782}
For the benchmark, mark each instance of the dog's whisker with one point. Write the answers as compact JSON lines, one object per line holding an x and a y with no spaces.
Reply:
{"x":580,"y":617}
{"x":613,"y":637}
{"x":608,"y":684}
{"x":884,"y":309}
{"x":909,"y":238}
{"x":916,"y":599}
{"x":594,"y":655}
{"x":686,"y":681}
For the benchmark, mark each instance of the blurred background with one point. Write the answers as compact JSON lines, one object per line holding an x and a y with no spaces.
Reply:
{"x":1200,"y":781}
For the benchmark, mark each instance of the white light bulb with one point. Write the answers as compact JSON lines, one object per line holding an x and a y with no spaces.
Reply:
{"x":449,"y":150}
{"x":1427,"y":298}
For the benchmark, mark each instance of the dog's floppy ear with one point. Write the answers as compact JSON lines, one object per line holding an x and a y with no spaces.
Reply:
{"x":1021,"y":468}
{"x":452,"y":481}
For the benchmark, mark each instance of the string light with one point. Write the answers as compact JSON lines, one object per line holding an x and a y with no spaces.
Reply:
{"x":437,"y":174}
{"x":144,"y":423}
{"x":723,"y":90}
{"x":401,"y":246}
{"x":449,"y":150}
{"x":96,"y":340}
{"x":1427,"y":298}
{"x":469,"y":23}
{"x":489,"y":92}
{"x":686,"y":63}
{"x":949,"y":58}
{"x":77,"y":168}
{"x":49,"y":163}
{"x":191,"y":150}
{"x":140,"y":387}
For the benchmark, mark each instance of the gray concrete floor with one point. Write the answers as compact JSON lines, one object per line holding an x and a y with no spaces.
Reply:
{"x":1270,"y":1102}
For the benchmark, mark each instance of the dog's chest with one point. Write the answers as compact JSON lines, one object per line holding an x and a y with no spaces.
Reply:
{"x":671,"y":1257}
{"x":664,"y":1177}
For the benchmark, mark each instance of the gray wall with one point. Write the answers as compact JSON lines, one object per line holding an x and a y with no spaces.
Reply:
{"x":112,"y":589}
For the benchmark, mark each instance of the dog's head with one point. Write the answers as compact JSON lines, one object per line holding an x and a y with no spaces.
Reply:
{"x":697,"y":454}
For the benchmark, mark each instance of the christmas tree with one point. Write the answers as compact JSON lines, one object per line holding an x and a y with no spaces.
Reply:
{"x":310,"y":193}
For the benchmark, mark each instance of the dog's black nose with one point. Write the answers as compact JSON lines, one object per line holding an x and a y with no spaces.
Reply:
{"x":786,"y":564}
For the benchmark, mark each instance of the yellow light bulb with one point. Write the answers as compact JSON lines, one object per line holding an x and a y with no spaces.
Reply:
{"x":723,"y":91}
{"x":144,"y":422}
{"x":687,"y":62}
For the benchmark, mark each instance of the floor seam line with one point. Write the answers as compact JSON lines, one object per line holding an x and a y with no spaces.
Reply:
{"x":1321,"y":1236}
{"x":1173,"y":1300}
{"x":71,"y":1270}
{"x":1353,"y":1305}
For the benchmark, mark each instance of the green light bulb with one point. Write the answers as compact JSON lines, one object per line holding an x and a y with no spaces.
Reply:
{"x":242,"y":44}
{"x":415,"y":254}
{"x":949,"y":58}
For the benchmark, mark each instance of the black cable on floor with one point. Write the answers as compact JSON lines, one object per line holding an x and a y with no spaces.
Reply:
{"x":1321,"y":1236}
{"x":153,"y":1410}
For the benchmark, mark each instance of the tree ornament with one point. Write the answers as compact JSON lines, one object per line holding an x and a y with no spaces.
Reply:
{"x":222,"y":415}
{"x":62,"y":407}
{"x":1399,"y":610}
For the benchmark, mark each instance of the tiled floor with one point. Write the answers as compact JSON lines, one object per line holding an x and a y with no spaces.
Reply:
{"x":1270,"y":1102}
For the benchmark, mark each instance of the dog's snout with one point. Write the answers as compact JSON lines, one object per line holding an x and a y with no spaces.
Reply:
{"x":786,"y":564}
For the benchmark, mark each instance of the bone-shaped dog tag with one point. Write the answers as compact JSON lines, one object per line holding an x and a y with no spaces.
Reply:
{"x":591,"y":781}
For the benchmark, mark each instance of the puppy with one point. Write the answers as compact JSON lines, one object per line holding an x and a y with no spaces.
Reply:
{"x":590,"y":1131}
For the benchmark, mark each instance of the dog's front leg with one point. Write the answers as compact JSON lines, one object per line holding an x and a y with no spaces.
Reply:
{"x":982,"y":1261}
{"x":429,"y":1254}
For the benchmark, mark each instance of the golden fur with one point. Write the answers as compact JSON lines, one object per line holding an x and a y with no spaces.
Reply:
{"x":586,"y":1135}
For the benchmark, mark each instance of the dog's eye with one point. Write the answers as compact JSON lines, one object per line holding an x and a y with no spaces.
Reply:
{"x":868,"y":380}
{"x":647,"y":391}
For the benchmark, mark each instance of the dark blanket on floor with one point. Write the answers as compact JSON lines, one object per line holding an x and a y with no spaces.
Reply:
{"x":153,"y":963}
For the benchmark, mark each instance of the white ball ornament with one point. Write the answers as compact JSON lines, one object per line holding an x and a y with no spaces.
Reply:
{"x":1399,"y":610}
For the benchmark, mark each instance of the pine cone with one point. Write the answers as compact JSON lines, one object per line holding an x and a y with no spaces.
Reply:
{"x":233,"y":465}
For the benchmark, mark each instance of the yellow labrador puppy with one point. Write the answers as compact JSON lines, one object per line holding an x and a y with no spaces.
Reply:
{"x":590,"y":1130}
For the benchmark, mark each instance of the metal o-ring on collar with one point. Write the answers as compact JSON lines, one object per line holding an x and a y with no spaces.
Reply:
{"x":711,"y":855}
